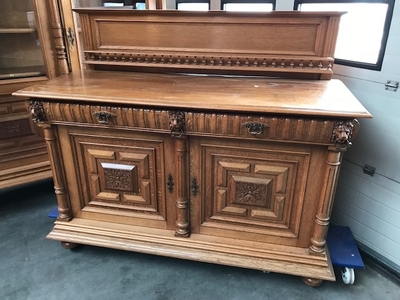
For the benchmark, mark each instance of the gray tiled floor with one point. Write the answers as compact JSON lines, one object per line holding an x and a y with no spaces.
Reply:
{"x":32,"y":267}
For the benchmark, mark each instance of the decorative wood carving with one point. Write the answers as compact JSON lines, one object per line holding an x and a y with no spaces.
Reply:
{"x":37,"y":111}
{"x":343,"y":132}
{"x":120,"y":177}
{"x":254,"y":192}
{"x":278,"y":64}
{"x":177,"y":123}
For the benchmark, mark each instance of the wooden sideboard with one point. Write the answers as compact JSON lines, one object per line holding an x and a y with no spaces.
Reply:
{"x":152,"y":153}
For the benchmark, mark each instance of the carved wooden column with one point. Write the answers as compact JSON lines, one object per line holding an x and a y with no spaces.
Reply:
{"x":343,"y":132}
{"x":325,"y":205}
{"x":58,"y":175}
{"x":177,"y":127}
{"x":182,"y":202}
{"x":322,"y":218}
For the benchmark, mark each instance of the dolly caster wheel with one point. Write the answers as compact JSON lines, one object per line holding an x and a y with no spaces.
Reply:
{"x":312,"y":281}
{"x":69,"y":245}
{"x":348,"y":275}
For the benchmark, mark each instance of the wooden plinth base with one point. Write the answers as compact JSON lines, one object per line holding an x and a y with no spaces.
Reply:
{"x":218,"y":250}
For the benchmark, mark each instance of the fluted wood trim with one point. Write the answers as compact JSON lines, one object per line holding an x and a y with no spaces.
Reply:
{"x":198,"y":123}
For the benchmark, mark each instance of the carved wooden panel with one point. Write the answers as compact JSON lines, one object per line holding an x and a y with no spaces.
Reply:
{"x":123,"y":176}
{"x":254,"y":190}
{"x":245,"y":42}
{"x":15,"y":128}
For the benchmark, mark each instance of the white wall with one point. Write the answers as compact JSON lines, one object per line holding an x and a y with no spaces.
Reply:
{"x":370,"y":206}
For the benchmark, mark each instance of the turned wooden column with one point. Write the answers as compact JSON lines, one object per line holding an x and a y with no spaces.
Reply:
{"x":59,"y":42}
{"x":58,"y":174}
{"x":182,"y":202}
{"x":322,"y":218}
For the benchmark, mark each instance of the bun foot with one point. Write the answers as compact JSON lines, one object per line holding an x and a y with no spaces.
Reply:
{"x":312,"y":281}
{"x":69,"y":245}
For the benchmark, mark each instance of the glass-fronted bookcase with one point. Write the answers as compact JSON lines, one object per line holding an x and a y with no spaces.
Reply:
{"x":28,"y":55}
{"x":39,"y":40}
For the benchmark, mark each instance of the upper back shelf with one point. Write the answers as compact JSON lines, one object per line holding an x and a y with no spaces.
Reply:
{"x":282,"y":44}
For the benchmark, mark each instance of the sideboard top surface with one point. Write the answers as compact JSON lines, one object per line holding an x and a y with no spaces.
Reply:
{"x":323,"y":98}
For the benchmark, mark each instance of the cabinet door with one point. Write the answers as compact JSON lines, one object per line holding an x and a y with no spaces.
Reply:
{"x":259,"y":191}
{"x":118,"y":175}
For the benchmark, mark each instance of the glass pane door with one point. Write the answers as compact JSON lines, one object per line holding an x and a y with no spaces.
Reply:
{"x":20,"y":51}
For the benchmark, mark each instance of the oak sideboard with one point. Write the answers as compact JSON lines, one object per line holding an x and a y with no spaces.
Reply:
{"x":208,"y":136}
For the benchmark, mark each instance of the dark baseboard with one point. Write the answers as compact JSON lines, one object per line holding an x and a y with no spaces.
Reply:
{"x":379,"y":264}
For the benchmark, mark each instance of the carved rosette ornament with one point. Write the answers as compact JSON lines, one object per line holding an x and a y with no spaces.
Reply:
{"x":176,"y":123}
{"x":343,"y":132}
{"x":37,"y":111}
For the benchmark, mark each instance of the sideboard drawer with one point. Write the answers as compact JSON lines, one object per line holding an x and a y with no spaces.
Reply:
{"x":107,"y":115}
{"x":270,"y":127}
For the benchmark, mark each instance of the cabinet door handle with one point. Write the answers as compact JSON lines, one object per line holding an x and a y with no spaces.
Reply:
{"x":194,"y":187}
{"x":170,"y":183}
{"x":71,"y":36}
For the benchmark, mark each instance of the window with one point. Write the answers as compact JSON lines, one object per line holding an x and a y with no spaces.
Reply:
{"x":248,"y":5}
{"x":199,"y":5}
{"x":363,"y":30}
{"x":119,"y":3}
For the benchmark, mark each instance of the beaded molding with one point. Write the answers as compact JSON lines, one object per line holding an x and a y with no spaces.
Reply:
{"x":134,"y":59}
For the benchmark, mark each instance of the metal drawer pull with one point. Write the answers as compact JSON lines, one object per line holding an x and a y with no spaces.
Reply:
{"x":103,"y":117}
{"x":255,"y":128}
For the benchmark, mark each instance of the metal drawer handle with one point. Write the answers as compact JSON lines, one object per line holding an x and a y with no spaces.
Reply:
{"x":103,"y":117}
{"x":255,"y":128}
